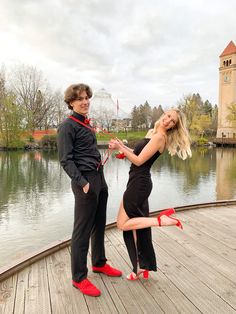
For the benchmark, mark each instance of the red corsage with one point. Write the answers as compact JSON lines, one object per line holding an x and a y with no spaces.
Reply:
{"x":120,"y":155}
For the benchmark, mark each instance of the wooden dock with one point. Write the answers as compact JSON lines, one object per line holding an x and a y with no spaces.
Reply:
{"x":225,"y":141}
{"x":196,"y":273}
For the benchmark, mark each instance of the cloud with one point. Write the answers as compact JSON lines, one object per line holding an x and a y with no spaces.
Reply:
{"x":154,"y":50}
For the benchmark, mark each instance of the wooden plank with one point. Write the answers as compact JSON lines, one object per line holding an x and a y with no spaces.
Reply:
{"x":133,"y":294}
{"x":7,"y":295}
{"x":27,"y":260}
{"x":21,"y":290}
{"x":217,"y":231}
{"x":190,"y":285}
{"x":212,"y":244}
{"x":221,"y":217}
{"x":224,"y":266}
{"x":224,"y":219}
{"x":166,"y":295}
{"x":37,"y":299}
{"x":134,"y":297}
{"x":123,"y":290}
{"x":114,"y":285}
{"x":104,"y":303}
{"x":209,"y":275}
{"x":64,"y":297}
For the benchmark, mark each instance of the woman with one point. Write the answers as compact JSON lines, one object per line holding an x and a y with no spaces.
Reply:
{"x":170,"y":133}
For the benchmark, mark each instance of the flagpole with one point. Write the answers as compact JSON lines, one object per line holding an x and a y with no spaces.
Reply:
{"x":117,"y":111}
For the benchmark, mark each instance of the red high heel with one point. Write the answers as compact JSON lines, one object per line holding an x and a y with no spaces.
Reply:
{"x":133,"y":276}
{"x":179,"y":224}
{"x":166,"y":212}
{"x":145,"y":273}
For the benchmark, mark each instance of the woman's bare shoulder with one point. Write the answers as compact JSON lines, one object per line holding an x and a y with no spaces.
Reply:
{"x":159,"y":136}
{"x":149,"y":133}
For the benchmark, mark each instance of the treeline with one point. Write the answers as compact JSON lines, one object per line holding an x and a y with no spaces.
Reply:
{"x":201,"y":115}
{"x":144,"y":116}
{"x":27,"y":103}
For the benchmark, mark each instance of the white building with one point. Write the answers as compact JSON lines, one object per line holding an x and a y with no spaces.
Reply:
{"x":102,"y":101}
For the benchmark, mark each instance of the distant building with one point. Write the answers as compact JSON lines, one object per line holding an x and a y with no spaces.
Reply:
{"x":100,"y":100}
{"x":106,"y":113}
{"x":227,"y":92}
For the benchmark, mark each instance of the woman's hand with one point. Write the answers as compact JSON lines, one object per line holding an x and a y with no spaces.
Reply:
{"x":86,"y":188}
{"x":114,"y":144}
{"x":120,"y":142}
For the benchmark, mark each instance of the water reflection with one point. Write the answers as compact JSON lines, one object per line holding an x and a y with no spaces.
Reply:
{"x":225,"y":173}
{"x":36,"y":202}
{"x":26,"y":177}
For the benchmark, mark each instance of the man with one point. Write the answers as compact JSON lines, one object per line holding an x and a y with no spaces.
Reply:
{"x":80,"y":158}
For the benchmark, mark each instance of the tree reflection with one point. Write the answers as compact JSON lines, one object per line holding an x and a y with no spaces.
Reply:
{"x":33,"y":180}
{"x":200,"y":166}
{"x":27,"y":175}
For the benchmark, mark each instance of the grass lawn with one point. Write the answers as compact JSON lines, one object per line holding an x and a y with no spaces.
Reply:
{"x":131,"y":135}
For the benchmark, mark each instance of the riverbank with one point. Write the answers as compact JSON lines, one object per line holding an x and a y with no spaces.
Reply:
{"x":41,"y":140}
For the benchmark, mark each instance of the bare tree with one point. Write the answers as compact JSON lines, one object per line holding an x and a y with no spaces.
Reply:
{"x":57,"y":112}
{"x":103,"y":117}
{"x":32,"y":94}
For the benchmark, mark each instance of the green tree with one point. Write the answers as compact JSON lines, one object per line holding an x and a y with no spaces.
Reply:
{"x":214,"y":121}
{"x":232,"y":113}
{"x":189,"y":105}
{"x":201,"y":123}
{"x":156,"y":114}
{"x":201,"y":116}
{"x":135,"y":117}
{"x":207,"y":108}
{"x":146,"y":113}
{"x":11,"y":117}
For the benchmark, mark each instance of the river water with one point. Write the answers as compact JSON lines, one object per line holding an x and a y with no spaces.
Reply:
{"x":36,"y":202}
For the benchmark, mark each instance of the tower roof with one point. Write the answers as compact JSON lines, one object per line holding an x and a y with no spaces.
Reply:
{"x":229,"y":50}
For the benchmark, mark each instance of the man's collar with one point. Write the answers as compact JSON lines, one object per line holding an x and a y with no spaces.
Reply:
{"x":78,"y":116}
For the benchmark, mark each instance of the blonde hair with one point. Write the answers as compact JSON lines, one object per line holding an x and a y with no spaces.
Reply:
{"x":178,"y":140}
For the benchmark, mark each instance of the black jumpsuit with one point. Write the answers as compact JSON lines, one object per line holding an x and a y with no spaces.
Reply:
{"x":135,"y":201}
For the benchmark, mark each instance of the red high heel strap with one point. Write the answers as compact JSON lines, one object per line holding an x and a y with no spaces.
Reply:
{"x":179,"y":224}
{"x":167,"y":212}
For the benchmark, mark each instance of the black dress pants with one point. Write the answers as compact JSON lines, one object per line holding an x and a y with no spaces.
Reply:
{"x":89,"y":221}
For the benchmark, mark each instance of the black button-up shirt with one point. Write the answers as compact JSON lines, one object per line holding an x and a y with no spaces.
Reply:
{"x":77,"y":147}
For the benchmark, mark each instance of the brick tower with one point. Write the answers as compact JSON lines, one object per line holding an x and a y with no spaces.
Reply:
{"x":227,"y":92}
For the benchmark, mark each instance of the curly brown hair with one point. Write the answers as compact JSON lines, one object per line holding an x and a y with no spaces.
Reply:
{"x":73,"y":91}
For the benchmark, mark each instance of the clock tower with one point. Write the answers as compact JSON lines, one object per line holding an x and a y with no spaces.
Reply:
{"x":227,"y":92}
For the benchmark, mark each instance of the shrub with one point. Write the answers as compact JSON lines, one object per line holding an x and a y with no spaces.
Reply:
{"x":49,"y":142}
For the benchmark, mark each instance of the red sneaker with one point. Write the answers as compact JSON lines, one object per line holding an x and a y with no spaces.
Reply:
{"x":86,"y":287}
{"x":107,"y":270}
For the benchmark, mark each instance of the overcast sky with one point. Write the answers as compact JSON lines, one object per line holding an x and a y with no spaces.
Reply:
{"x":137,"y":50}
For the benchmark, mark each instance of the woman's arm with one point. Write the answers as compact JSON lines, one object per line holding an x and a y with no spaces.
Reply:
{"x":156,"y":143}
{"x":123,"y":145}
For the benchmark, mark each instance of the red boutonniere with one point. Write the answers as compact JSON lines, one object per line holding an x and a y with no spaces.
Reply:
{"x":120,"y":155}
{"x":87,"y":121}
